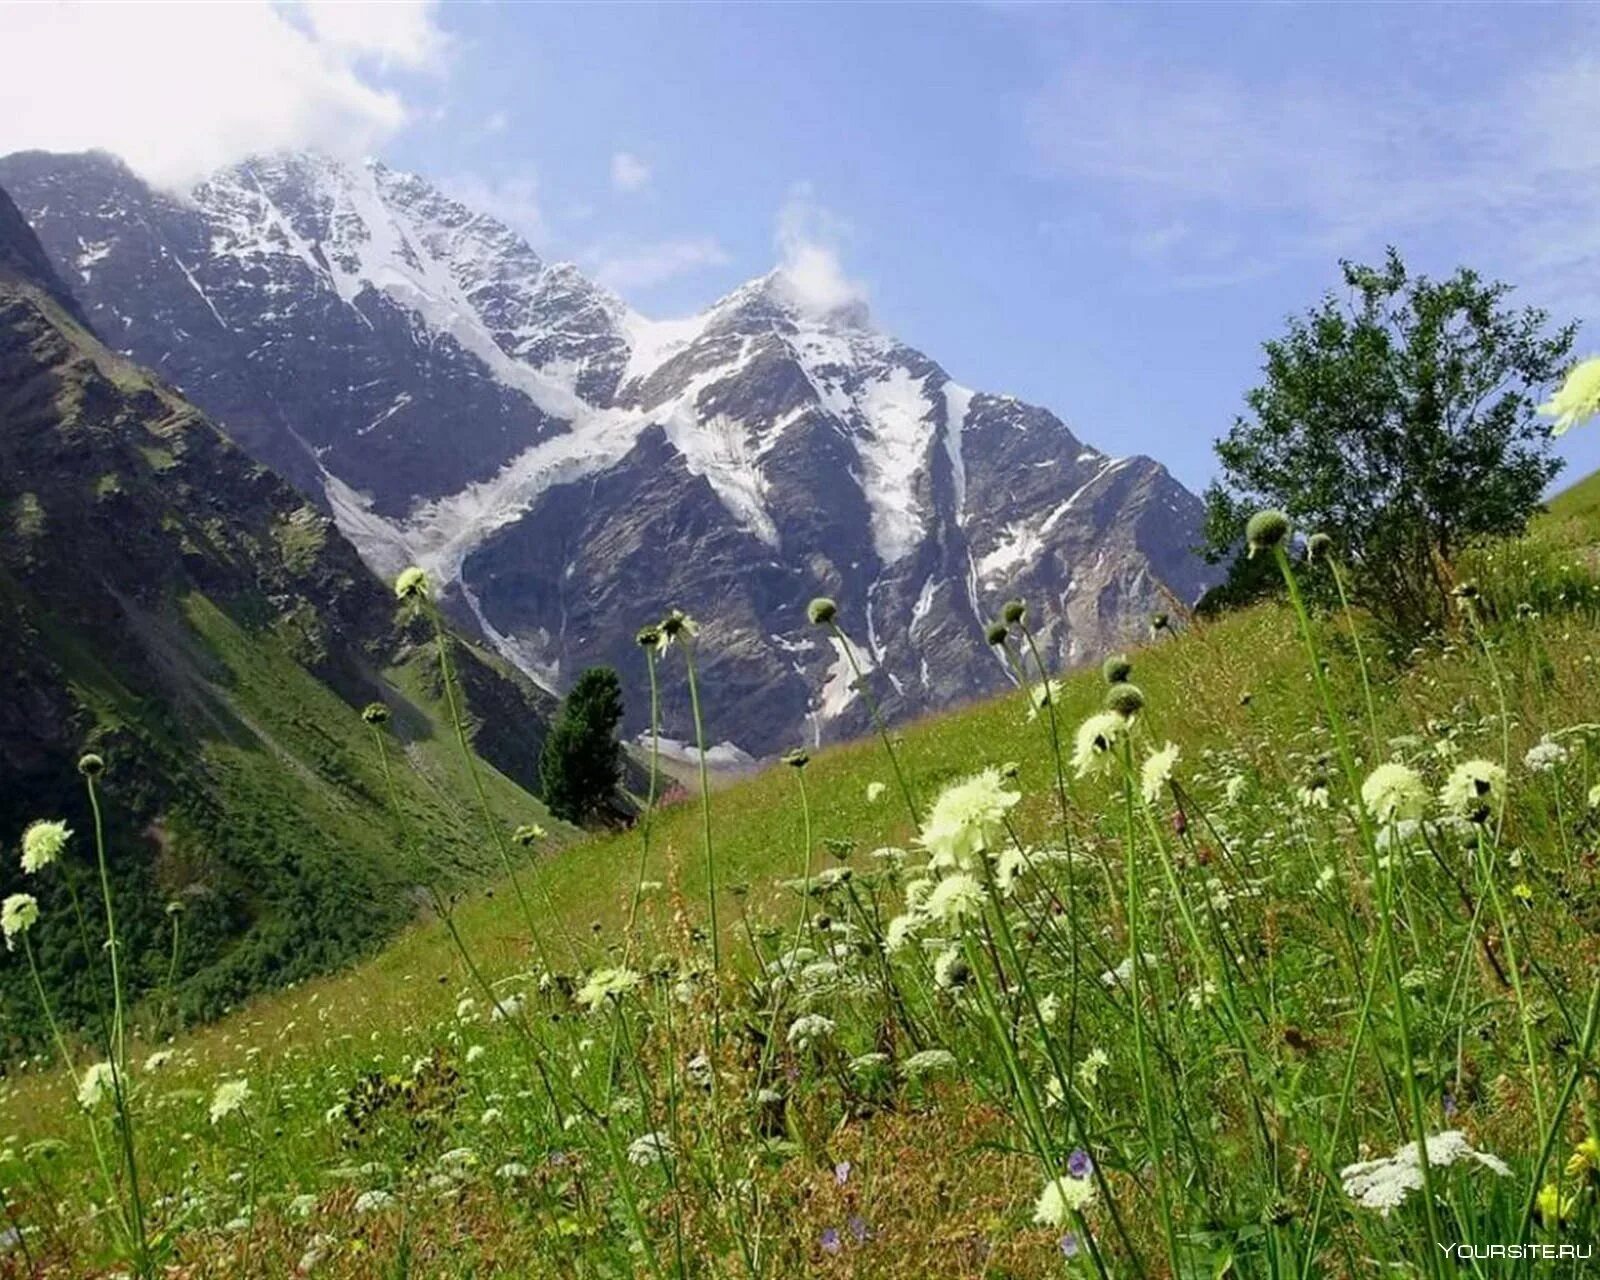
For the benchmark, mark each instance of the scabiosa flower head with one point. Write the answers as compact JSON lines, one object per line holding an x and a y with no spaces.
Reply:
{"x":798,"y":758}
{"x":875,"y":792}
{"x":955,"y":898}
{"x":375,"y":713}
{"x":1578,"y":400}
{"x":997,"y":634}
{"x":1394,"y":793}
{"x":1475,"y":790}
{"x":822,"y":611}
{"x":1266,"y":530}
{"x":1094,"y":751}
{"x":1127,"y":700}
{"x":606,"y":984}
{"x":229,"y":1097}
{"x":1116,"y":669}
{"x":90,"y":765}
{"x":1319,"y":547}
{"x":810,"y":1029}
{"x":648,"y":637}
{"x":675,"y":625}
{"x":412,"y":584}
{"x":1156,"y":772}
{"x":951,"y":971}
{"x":966,"y":818}
{"x":1013,"y":611}
{"x":1314,"y":795}
{"x":529,"y":834}
{"x":1060,"y":1198}
{"x":1079,"y":1164}
{"x":42,"y":843}
{"x":1159,"y":621}
{"x":1046,"y":693}
{"x":94,"y":1084}
{"x":18,"y":914}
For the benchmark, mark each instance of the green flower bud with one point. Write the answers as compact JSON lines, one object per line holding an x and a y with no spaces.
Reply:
{"x":375,"y":713}
{"x":1013,"y":611}
{"x":997,"y":634}
{"x":1127,"y":700}
{"x":91,"y":765}
{"x":1117,"y":668}
{"x":1319,"y":547}
{"x":822,"y":611}
{"x":1266,"y":530}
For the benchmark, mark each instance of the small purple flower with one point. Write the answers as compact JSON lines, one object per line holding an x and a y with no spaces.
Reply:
{"x":1069,"y":1245}
{"x":558,"y":1158}
{"x":1180,"y":822}
{"x":830,"y":1240}
{"x":858,"y":1228}
{"x":1449,"y":1106}
{"x":841,"y":1172}
{"x":1079,"y":1165}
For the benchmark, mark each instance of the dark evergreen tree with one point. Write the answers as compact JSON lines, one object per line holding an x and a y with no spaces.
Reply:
{"x":581,"y":765}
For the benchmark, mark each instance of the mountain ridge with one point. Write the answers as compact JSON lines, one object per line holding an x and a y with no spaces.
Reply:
{"x":451,"y":397}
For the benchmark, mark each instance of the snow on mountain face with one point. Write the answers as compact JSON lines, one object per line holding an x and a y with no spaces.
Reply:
{"x":573,"y":468}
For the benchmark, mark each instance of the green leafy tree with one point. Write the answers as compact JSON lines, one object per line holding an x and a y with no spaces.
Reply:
{"x":1399,"y":418}
{"x":581,"y":765}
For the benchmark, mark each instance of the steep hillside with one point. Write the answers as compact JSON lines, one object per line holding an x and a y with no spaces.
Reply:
{"x":573,"y":469}
{"x":175,"y":607}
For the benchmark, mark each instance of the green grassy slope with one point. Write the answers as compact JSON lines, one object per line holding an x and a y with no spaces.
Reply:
{"x":175,"y":608}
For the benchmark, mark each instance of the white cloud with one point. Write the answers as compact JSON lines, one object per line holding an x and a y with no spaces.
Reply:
{"x":513,"y":200}
{"x":809,"y":264}
{"x":177,"y":90}
{"x":1215,"y":175}
{"x":628,"y":172}
{"x":497,"y":122}
{"x":642,"y":265}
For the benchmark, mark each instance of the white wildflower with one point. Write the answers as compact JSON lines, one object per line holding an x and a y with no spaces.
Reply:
{"x":652,"y":1148}
{"x":810,"y":1029}
{"x":1060,"y":1198}
{"x":1394,"y":793}
{"x":42,"y":843}
{"x":966,"y":818}
{"x":606,"y":984}
{"x":1545,"y":756}
{"x":229,"y":1097}
{"x":954,"y":898}
{"x":1094,"y":751}
{"x":1156,"y":772}
{"x":1384,"y":1184}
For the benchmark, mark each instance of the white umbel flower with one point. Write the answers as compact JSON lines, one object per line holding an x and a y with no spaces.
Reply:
{"x":1545,"y":756}
{"x":1384,"y":1184}
{"x":229,"y":1097}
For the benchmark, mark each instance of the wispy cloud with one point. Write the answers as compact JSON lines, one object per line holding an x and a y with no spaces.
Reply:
{"x":628,"y":172}
{"x":1213,"y":174}
{"x":641,"y":266}
{"x":808,"y":237}
{"x":178,"y":90}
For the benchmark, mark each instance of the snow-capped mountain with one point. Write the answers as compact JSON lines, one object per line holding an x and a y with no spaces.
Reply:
{"x":572,"y":469}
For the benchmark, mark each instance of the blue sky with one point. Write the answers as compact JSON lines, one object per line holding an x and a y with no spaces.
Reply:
{"x":1100,"y":209}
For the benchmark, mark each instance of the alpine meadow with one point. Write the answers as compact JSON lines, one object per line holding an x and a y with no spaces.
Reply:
{"x":493,"y":784}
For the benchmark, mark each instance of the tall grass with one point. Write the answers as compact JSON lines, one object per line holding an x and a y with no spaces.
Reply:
{"x":1259,"y":956}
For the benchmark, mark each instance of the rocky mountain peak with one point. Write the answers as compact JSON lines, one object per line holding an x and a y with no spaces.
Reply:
{"x":571,"y":467}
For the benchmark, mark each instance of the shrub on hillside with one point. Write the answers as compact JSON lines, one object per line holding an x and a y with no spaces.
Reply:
{"x":1402,"y":420}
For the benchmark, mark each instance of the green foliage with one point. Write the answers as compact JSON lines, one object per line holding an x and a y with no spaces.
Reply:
{"x":581,"y":764}
{"x":1400,"y":419}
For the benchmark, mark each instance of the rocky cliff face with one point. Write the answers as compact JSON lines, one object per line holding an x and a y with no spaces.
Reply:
{"x":174,"y":605}
{"x":572,"y":469}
